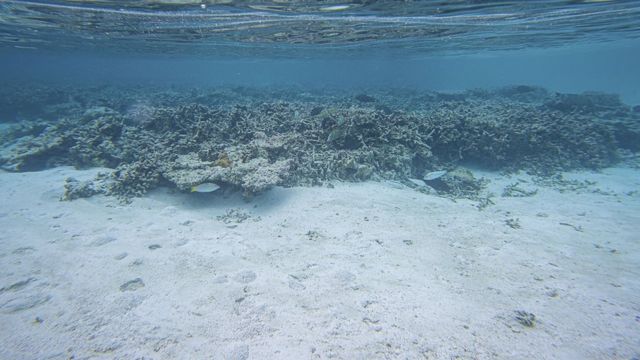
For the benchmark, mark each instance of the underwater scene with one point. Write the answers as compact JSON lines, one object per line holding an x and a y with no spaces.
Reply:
{"x":319,"y":179}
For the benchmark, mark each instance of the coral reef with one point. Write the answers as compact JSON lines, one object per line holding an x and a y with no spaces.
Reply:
{"x":253,"y":139}
{"x":76,"y":189}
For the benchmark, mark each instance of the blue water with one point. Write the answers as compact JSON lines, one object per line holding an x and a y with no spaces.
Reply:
{"x":563,"y":45}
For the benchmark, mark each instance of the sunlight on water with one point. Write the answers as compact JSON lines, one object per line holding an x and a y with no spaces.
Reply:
{"x":324,"y":27}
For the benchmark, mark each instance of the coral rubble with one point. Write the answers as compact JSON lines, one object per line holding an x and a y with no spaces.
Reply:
{"x":253,"y":139}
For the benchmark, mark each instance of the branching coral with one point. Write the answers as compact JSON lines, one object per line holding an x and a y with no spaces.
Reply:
{"x":252,"y":140}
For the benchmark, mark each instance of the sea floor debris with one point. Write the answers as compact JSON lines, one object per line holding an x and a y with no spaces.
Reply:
{"x":525,"y":318}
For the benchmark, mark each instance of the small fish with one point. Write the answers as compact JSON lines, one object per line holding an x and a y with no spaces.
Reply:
{"x":435,"y":175}
{"x":205,"y":187}
{"x":335,"y":8}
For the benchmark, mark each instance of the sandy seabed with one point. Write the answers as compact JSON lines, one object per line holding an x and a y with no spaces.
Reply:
{"x":369,"y":270}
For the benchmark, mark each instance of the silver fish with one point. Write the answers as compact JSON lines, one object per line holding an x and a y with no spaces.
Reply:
{"x":435,"y":175}
{"x":205,"y":187}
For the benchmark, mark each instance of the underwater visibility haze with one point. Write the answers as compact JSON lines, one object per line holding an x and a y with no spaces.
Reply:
{"x":294,"y":179}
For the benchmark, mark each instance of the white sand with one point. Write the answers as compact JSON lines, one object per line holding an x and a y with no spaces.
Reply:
{"x":361,"y":271}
